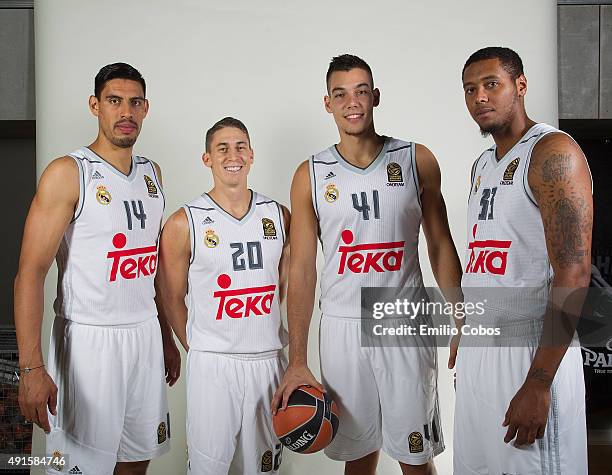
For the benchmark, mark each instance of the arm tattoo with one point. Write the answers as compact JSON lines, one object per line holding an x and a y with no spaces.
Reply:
{"x":566,"y":216}
{"x":557,"y":167}
{"x":570,"y":246}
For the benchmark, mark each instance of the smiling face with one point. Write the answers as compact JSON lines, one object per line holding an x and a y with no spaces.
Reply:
{"x":229,"y":157}
{"x":120,"y":110}
{"x":492,"y":97}
{"x":351,"y":100}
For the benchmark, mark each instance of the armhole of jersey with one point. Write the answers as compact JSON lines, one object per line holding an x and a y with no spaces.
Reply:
{"x":415,"y":173}
{"x":281,"y":220}
{"x":526,"y":187}
{"x":191,"y":233}
{"x":313,"y":186}
{"x":79,"y":208}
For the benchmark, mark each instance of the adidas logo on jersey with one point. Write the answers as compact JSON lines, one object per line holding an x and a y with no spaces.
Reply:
{"x":208,"y":220}
{"x":330,"y":175}
{"x":75,"y":470}
{"x":97,"y":175}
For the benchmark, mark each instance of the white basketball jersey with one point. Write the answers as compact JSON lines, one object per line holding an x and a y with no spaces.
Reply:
{"x":369,"y":223}
{"x":233,"y":297}
{"x":108,"y":256}
{"x":506,"y":242}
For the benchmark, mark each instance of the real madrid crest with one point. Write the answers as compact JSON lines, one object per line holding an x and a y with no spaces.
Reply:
{"x":269,"y":229}
{"x":57,"y":460}
{"x":477,"y":184}
{"x":331,"y":193}
{"x":211,"y":239}
{"x":103,"y":196}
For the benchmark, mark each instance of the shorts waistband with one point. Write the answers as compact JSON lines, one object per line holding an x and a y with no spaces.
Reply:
{"x":264,"y":355}
{"x":125,"y":326}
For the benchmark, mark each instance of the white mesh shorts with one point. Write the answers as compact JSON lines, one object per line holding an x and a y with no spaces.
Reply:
{"x":387,"y":396}
{"x":111,"y":403}
{"x":229,"y":421}
{"x":487,"y":380}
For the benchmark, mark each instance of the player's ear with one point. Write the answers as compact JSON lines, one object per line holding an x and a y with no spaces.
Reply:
{"x":521,"y":85}
{"x":326,"y":101}
{"x":146,"y":107}
{"x":206,"y":159}
{"x":94,"y":105}
{"x":251,"y":155}
{"x":376,"y":94}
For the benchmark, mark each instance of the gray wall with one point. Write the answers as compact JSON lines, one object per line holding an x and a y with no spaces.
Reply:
{"x":18,"y":159}
{"x":17,"y":101}
{"x":585,"y":61}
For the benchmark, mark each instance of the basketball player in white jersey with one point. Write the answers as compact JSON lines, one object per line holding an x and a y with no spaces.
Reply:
{"x":366,"y":199}
{"x":225,"y":253}
{"x":98,"y":210}
{"x":520,"y":397}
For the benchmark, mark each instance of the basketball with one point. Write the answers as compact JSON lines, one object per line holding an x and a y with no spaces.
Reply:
{"x":309,"y":423}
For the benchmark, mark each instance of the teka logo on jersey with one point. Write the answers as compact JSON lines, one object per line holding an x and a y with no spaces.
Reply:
{"x":238,"y":303}
{"x":131,"y":263}
{"x":363,"y":258}
{"x":487,"y":257}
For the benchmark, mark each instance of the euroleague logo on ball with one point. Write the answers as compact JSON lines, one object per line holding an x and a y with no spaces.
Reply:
{"x":309,"y":423}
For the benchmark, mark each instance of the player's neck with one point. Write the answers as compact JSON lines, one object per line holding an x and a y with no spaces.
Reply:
{"x":120,"y":158}
{"x":508,"y":137}
{"x":360,"y":150}
{"x":235,"y":200}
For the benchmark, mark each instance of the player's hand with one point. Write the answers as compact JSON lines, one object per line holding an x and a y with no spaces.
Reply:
{"x":37,"y":392}
{"x":172,"y":361}
{"x":454,"y":346}
{"x":527,"y":414}
{"x":295,"y":376}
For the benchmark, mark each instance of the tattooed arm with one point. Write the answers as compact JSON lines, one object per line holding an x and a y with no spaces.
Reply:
{"x":561,"y":184}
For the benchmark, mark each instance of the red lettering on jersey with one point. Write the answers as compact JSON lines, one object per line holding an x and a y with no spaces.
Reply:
{"x":488,"y":256}
{"x":360,"y":258}
{"x":239,"y":303}
{"x":131,"y":263}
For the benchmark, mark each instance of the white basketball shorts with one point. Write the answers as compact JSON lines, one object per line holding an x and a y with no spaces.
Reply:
{"x":387,"y":396}
{"x":112,"y":404}
{"x":229,"y":421}
{"x":487,"y":380}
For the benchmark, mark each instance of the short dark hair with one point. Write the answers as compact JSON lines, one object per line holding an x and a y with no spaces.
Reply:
{"x":117,"y":71}
{"x":509,"y":59}
{"x":223,"y":123}
{"x":346,"y":62}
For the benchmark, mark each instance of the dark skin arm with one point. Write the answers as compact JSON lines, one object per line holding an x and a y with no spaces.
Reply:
{"x":560,"y":181}
{"x":443,"y":256}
